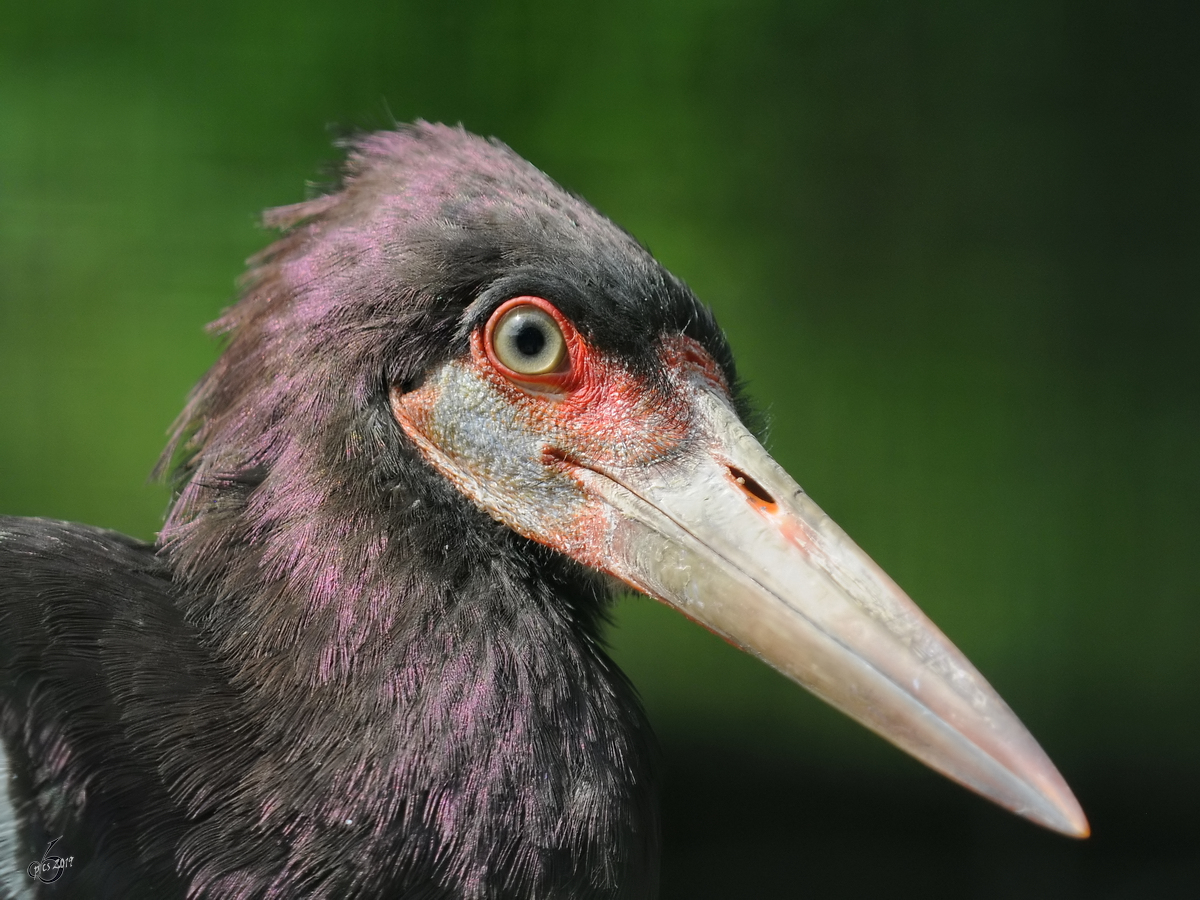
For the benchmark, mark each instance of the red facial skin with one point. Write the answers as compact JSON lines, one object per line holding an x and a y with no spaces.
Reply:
{"x":591,"y":413}
{"x":607,"y":413}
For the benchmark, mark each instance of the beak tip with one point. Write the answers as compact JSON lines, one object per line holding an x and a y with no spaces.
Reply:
{"x":1079,"y":827}
{"x":1064,"y":814}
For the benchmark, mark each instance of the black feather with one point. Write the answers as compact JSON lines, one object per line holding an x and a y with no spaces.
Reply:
{"x":334,"y":676}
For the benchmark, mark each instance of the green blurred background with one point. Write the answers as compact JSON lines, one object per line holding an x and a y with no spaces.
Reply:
{"x":954,"y":246}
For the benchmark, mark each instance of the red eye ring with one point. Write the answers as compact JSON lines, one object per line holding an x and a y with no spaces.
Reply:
{"x":565,"y":376}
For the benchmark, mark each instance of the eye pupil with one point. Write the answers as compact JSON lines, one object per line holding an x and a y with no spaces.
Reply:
{"x":530,"y":340}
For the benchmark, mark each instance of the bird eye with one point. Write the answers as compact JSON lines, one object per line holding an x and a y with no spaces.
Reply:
{"x":529,"y":341}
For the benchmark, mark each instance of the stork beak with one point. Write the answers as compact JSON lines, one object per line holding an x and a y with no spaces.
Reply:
{"x":706,"y":521}
{"x":723,"y":534}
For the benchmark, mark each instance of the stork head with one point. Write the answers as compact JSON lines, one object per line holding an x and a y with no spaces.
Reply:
{"x":451,"y":304}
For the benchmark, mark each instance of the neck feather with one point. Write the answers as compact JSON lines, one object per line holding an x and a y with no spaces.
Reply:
{"x":415,"y":676}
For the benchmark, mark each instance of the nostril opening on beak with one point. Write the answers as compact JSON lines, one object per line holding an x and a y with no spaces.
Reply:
{"x":752,"y":488}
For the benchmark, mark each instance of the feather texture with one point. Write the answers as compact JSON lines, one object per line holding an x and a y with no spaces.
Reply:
{"x":334,"y":676}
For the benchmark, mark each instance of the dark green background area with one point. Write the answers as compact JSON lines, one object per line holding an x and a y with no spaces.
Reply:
{"x":954,"y":245}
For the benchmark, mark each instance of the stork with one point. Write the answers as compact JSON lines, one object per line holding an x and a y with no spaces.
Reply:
{"x":457,"y":411}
